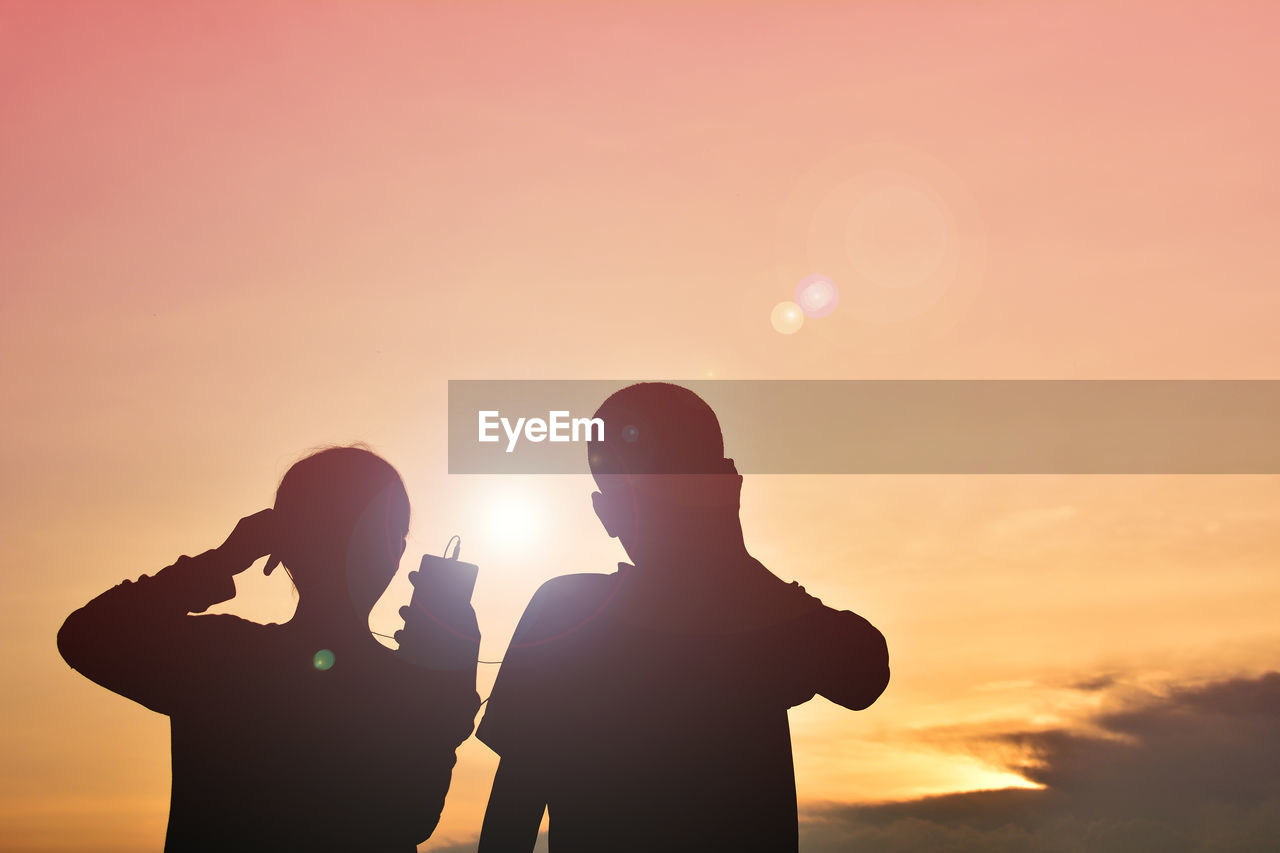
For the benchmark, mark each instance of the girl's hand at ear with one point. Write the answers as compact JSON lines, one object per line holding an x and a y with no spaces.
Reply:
{"x":254,"y":536}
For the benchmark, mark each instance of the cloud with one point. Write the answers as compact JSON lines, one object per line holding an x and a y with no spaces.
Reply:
{"x":1195,"y":770}
{"x":1094,"y":683}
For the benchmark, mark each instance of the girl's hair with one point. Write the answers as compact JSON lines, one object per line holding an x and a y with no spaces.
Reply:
{"x":324,"y":497}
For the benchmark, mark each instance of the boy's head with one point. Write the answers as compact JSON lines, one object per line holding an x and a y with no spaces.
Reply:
{"x":662,"y":475}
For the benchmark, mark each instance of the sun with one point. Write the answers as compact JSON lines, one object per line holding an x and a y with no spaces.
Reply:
{"x":512,"y":516}
{"x":513,"y":519}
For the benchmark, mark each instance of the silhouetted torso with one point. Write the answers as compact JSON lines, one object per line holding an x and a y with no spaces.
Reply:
{"x":649,"y":736}
{"x":271,"y":752}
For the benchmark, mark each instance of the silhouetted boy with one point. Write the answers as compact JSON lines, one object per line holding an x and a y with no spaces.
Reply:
{"x":647,"y":709}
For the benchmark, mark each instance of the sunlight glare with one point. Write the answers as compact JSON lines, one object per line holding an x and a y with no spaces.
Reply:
{"x":512,"y":518}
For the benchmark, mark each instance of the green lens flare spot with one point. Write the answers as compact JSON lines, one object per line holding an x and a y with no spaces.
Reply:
{"x":323,"y":660}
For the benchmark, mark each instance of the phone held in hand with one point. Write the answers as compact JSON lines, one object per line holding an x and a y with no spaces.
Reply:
{"x":443,"y":581}
{"x":440,"y":630}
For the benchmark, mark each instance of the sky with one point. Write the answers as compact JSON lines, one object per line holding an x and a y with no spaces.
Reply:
{"x":233,"y":232}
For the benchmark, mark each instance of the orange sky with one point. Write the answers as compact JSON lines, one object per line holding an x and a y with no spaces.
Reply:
{"x":232,"y":233}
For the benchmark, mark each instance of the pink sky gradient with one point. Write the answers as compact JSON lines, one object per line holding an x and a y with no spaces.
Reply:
{"x":231,"y":232}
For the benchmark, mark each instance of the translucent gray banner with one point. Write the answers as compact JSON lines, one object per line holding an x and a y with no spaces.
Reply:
{"x":898,"y":426}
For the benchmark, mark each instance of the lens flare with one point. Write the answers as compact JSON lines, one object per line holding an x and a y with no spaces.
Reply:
{"x":787,"y":318}
{"x":899,"y":237}
{"x":817,"y":295}
{"x":323,"y":660}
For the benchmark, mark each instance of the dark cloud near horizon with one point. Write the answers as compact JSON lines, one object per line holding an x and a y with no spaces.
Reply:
{"x":1094,"y":684}
{"x":1196,"y":770}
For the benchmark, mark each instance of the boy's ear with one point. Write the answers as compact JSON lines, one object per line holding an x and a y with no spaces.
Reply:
{"x":604,"y":511}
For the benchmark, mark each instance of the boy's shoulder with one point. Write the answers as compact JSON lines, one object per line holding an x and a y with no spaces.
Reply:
{"x":564,"y":604}
{"x":579,"y":587}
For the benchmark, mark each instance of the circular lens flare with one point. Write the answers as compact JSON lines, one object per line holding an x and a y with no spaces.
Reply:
{"x":898,"y":237}
{"x":787,"y":318}
{"x":817,"y":295}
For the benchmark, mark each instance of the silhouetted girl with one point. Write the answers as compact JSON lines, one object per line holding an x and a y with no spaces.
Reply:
{"x":304,"y":736}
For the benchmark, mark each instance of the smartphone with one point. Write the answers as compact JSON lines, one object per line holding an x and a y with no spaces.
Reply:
{"x":441,"y":583}
{"x":440,"y":629}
